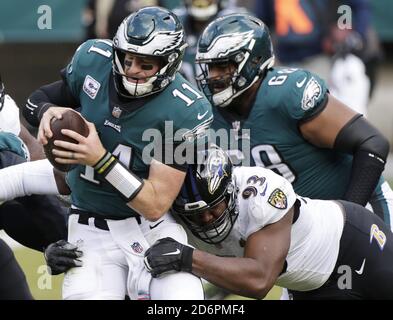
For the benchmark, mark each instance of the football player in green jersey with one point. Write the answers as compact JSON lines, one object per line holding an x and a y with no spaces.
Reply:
{"x":120,"y":197}
{"x":292,"y":123}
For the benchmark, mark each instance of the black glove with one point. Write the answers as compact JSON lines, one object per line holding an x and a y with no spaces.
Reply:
{"x":168,"y":255}
{"x":62,"y":256}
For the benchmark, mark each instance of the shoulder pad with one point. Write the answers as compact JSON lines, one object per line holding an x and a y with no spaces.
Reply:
{"x":84,"y":55}
{"x":299,"y":93}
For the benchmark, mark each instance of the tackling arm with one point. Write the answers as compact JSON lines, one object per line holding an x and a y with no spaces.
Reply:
{"x":35,"y":177}
{"x":252,"y":275}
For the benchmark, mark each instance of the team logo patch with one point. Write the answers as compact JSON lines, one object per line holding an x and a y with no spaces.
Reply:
{"x":311,"y":94}
{"x":91,"y":87}
{"x":278,"y":199}
{"x":136,"y":246}
{"x":116,"y":112}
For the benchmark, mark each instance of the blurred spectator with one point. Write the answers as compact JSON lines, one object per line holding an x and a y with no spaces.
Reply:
{"x":307,"y":36}
{"x":102,"y":17}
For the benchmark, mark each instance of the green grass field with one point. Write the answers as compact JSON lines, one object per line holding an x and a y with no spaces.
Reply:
{"x":42,"y":285}
{"x":45,"y":287}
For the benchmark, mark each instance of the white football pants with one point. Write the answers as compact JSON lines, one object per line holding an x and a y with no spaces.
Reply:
{"x":113,"y":262}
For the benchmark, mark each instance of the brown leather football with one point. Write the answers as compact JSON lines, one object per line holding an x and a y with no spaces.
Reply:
{"x":71,"y":120}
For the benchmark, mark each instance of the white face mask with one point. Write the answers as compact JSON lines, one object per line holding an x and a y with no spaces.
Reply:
{"x":204,"y":14}
{"x":223,"y":98}
{"x":138,"y":89}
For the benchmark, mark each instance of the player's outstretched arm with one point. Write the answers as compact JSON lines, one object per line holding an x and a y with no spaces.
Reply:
{"x":252,"y":275}
{"x":339,"y":127}
{"x":33,"y":177}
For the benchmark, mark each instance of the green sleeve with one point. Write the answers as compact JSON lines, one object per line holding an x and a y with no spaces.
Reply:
{"x":85,"y":61}
{"x":305,"y":95}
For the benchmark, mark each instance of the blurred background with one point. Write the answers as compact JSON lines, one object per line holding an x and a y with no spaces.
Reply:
{"x":352,"y":50}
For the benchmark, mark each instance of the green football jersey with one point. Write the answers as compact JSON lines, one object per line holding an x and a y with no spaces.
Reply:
{"x":285,"y":98}
{"x":131,"y":130}
{"x":11,"y":142}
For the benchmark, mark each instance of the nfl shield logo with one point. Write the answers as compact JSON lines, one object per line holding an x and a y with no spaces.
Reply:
{"x":137,"y":247}
{"x":116,"y":112}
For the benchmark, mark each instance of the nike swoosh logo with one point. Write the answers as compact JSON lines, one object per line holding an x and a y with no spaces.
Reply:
{"x":360,"y":271}
{"x":172,"y":253}
{"x":301,"y":84}
{"x":156,"y":225}
{"x":200,"y":117}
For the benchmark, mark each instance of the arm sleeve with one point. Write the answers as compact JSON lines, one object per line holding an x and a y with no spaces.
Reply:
{"x":63,"y":93}
{"x":370,"y":150}
{"x":56,"y":93}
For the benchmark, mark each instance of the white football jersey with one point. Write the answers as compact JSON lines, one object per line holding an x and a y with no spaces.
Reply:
{"x":9,"y":116}
{"x":264,"y":198}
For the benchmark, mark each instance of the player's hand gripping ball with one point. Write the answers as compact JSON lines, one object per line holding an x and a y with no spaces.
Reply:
{"x":71,"y":120}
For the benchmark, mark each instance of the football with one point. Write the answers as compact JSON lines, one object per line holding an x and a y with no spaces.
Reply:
{"x":71,"y":120}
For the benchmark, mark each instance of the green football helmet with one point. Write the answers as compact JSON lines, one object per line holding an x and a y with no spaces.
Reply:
{"x":240,"y":40}
{"x":152,"y":32}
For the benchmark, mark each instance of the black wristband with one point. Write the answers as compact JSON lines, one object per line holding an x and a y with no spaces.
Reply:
{"x":104,"y":163}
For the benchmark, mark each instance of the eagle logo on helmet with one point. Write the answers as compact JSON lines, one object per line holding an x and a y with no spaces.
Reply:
{"x":160,"y":43}
{"x":223,"y":45}
{"x":215,"y":170}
